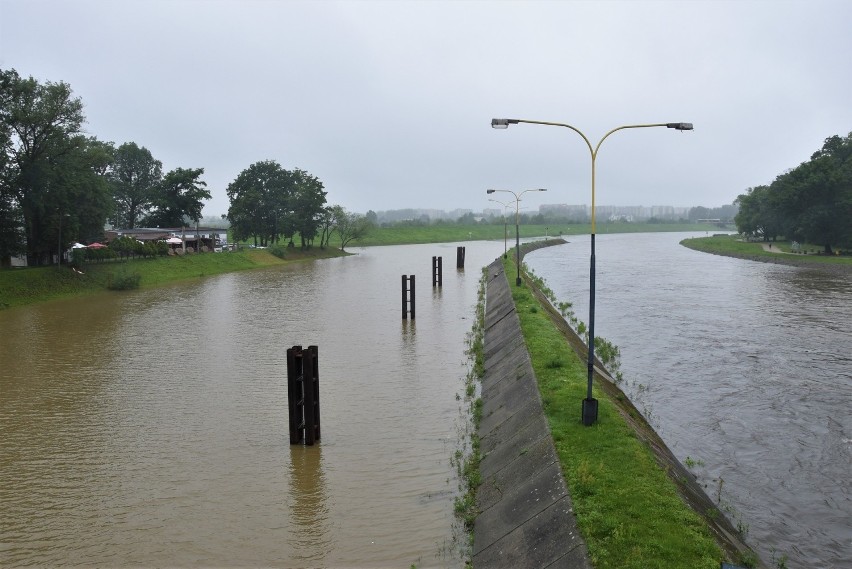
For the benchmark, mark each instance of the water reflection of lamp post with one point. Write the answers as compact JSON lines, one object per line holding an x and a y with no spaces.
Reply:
{"x":590,"y":405}
{"x":505,"y":227}
{"x":517,"y":223}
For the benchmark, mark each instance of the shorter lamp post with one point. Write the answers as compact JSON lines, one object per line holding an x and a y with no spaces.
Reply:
{"x":505,"y":227}
{"x":517,"y":224}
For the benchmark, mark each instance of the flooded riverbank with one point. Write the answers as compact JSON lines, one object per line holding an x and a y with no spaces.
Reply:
{"x":150,"y":428}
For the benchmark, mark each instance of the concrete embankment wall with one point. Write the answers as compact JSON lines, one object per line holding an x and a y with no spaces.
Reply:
{"x":526,"y":517}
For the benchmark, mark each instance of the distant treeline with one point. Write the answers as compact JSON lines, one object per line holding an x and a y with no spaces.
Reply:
{"x":59,"y":185}
{"x":425,"y":217}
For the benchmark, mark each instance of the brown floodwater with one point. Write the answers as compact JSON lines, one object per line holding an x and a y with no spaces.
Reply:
{"x":149,"y":428}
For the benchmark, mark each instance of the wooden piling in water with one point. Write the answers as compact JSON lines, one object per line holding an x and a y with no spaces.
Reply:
{"x":303,"y":394}
{"x":407,"y":296}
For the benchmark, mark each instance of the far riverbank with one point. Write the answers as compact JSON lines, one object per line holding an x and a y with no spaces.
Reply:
{"x":734,"y":246}
{"x":24,"y":286}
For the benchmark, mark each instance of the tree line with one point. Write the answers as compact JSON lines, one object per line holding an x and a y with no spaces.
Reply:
{"x":809,"y":203}
{"x":270,"y":203}
{"x":58,"y":185}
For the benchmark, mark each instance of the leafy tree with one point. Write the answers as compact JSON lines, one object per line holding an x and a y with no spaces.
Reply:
{"x":307,"y":206}
{"x":326,"y":226}
{"x":42,"y":124}
{"x":269,"y":202}
{"x":350,"y":226}
{"x":11,"y":229}
{"x":467,"y":219}
{"x":52,"y":181}
{"x":178,"y":198}
{"x":757,"y":215}
{"x":812,"y":202}
{"x":825,"y":217}
{"x":260,"y":200}
{"x":135,"y":179}
{"x":126,"y":247}
{"x":84,"y":200}
{"x":12,"y":241}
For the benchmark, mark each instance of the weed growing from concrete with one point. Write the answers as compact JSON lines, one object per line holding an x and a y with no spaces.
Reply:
{"x":467,"y":457}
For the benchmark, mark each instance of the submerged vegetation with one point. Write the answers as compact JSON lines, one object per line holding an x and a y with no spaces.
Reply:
{"x":468,"y":456}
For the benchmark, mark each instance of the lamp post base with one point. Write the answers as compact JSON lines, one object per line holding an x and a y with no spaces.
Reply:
{"x":590,"y":411}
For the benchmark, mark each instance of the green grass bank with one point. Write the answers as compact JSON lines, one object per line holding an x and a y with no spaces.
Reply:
{"x":19,"y":287}
{"x":636,"y":504}
{"x":780,"y":253}
{"x":22,"y":286}
{"x":449,"y":233}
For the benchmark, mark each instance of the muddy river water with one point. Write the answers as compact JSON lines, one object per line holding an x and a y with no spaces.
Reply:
{"x":150,"y":428}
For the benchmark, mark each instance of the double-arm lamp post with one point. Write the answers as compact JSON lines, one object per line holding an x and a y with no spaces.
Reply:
{"x":590,"y":405}
{"x":505,"y":226}
{"x":517,"y":223}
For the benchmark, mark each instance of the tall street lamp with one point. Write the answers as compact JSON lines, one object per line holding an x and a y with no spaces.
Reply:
{"x":517,"y":223}
{"x":505,"y":227}
{"x":590,"y":405}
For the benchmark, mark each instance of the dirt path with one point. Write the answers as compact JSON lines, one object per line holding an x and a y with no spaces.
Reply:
{"x":771,"y":249}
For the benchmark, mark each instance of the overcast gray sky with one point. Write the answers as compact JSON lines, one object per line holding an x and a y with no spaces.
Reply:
{"x":390,"y":103}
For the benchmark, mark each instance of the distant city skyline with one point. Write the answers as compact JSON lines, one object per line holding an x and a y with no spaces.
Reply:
{"x":568,"y":211}
{"x":390,"y":103}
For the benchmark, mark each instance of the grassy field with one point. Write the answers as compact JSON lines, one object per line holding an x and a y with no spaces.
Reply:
{"x":400,"y":235}
{"x":19,"y":287}
{"x":628,"y":509}
{"x":25,"y":286}
{"x":733,"y":246}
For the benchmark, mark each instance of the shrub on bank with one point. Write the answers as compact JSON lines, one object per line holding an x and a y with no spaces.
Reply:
{"x":124,"y":279}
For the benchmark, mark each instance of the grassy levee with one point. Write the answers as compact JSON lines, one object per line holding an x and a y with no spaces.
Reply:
{"x":19,"y":287}
{"x":734,"y":246}
{"x":636,"y":505}
{"x":449,"y":233}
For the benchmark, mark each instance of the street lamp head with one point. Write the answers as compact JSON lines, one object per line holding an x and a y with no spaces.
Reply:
{"x":490,"y":191}
{"x":542,"y":189}
{"x":680,"y":125}
{"x":502,"y":123}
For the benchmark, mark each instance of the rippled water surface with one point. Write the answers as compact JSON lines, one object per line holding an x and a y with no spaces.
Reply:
{"x":744,"y":367}
{"x":150,"y":428}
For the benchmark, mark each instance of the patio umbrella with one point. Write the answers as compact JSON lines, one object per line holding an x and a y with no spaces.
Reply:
{"x":96,"y":245}
{"x":174,"y":241}
{"x":78,"y":246}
